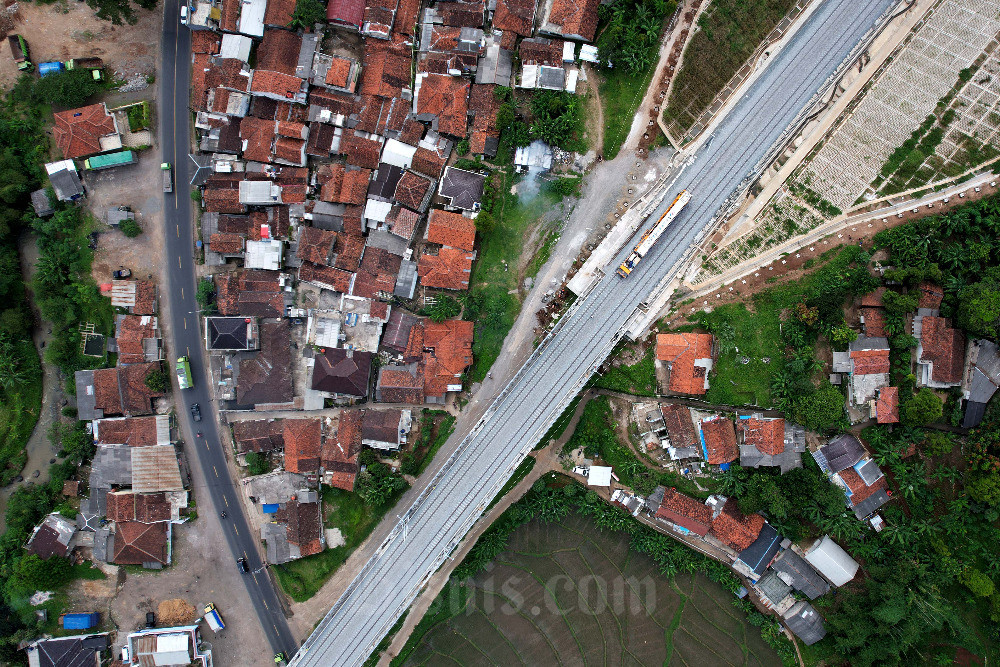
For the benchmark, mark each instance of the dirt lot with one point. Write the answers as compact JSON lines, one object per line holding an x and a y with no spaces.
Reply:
{"x":66,"y":29}
{"x":202,"y":572}
{"x":137,"y":186}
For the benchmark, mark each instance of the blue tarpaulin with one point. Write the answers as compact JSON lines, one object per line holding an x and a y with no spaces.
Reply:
{"x":271,"y":509}
{"x":723,"y":466}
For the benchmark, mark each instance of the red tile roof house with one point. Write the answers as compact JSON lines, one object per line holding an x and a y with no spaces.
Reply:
{"x":450,"y":268}
{"x":379,"y":18}
{"x":119,"y":391}
{"x":400,"y":384}
{"x":343,"y":375}
{"x":442,"y":100}
{"x":886,"y":406}
{"x":449,"y":229}
{"x":515,"y":16}
{"x":689,"y":514}
{"x":86,"y":131}
{"x":143,"y":544}
{"x":940,"y":352}
{"x":869,"y":363}
{"x":572,"y":19}
{"x":346,"y":13}
{"x":447,"y":353}
{"x":340,"y":452}
{"x":687,"y":359}
{"x":719,"y":436}
{"x":137,"y":338}
{"x":734,"y":529}
{"x":258,"y":435}
{"x":768,"y":441}
{"x":303,"y":440}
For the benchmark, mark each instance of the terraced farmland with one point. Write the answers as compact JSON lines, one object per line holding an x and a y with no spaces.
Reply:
{"x":569,"y":593}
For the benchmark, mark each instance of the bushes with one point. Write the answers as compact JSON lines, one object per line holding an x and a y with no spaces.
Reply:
{"x":557,"y":119}
{"x":257,"y":463}
{"x":130,"y":228}
{"x":67,"y":89}
{"x":158,"y":381}
{"x":307,"y":14}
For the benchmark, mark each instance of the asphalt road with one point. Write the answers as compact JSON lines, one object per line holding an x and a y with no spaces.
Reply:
{"x":440,"y":516}
{"x":175,"y":129}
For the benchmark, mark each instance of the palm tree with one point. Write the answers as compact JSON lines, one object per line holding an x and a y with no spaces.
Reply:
{"x":11,"y":372}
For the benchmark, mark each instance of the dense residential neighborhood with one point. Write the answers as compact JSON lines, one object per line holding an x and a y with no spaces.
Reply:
{"x":258,"y":278}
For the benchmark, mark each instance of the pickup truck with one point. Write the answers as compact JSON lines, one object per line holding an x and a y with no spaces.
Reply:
{"x":213,"y":619}
{"x":168,"y":177}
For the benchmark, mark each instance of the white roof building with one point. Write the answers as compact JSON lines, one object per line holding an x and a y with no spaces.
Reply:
{"x":236,"y":46}
{"x":831,"y":561}
{"x":263,"y":254}
{"x":397,"y":153}
{"x":251,"y":20}
{"x":599,"y":476}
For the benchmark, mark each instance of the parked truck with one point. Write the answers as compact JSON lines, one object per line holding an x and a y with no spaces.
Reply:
{"x":652,"y":235}
{"x":93,"y":64}
{"x":80,"y":621}
{"x":19,"y":49}
{"x":213,"y":619}
{"x":168,"y":177}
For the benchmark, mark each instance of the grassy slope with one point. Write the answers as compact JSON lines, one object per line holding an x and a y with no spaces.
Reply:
{"x":621,"y":95}
{"x":492,"y":281}
{"x":730,"y":31}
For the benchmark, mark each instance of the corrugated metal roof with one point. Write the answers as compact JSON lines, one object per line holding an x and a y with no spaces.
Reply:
{"x":155,"y":469}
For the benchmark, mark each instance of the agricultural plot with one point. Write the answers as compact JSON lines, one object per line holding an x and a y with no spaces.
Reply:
{"x":850,"y":165}
{"x":785,"y":217}
{"x":569,"y":593}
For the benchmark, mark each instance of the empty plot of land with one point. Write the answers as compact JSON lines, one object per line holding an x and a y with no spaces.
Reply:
{"x":572,"y":594}
{"x":950,"y":39}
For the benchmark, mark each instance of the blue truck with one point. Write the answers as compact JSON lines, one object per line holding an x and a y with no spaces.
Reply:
{"x":80,"y":621}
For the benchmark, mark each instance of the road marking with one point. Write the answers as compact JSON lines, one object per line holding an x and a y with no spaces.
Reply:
{"x":254,"y":575}
{"x":275,"y":628}
{"x":179,"y":263}
{"x":264,"y":601}
{"x":225,"y":500}
{"x":178,"y":231}
{"x":188,"y":348}
{"x":216,"y":471}
{"x":185,"y":323}
{"x":182,"y":293}
{"x":236,"y":529}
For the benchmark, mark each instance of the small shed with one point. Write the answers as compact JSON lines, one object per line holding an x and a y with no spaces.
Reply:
{"x":599,"y":476}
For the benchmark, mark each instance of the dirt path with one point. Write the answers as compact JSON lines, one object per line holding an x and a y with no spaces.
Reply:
{"x":671,"y":48}
{"x":595,"y":86}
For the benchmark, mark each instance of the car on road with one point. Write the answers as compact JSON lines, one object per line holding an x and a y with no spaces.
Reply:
{"x":242,"y":562}
{"x":196,"y":412}
{"x":184,"y":14}
{"x":125,"y":654}
{"x":121,"y":274}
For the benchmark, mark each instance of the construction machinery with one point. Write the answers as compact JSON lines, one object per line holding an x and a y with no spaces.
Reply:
{"x":652,"y":235}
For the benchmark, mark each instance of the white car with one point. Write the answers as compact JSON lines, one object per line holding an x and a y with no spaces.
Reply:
{"x":184,"y":14}
{"x":125,"y":655}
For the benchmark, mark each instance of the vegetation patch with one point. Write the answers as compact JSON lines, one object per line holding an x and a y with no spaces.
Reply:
{"x":355,"y":517}
{"x":492,"y":301}
{"x":728,"y":33}
{"x":628,"y":39}
{"x":638,"y":379}
{"x":435,"y":428}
